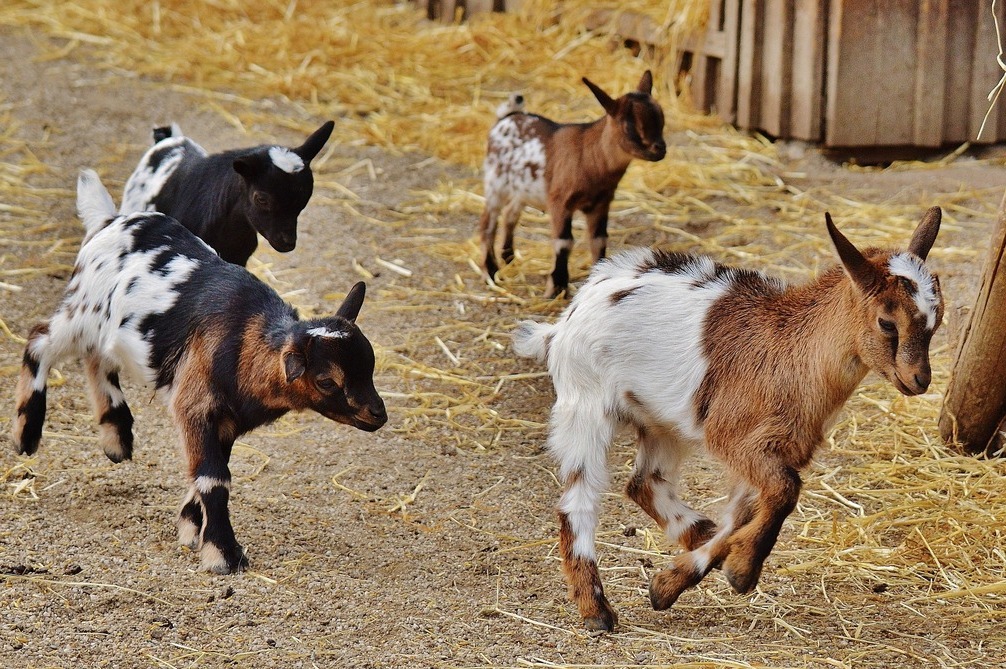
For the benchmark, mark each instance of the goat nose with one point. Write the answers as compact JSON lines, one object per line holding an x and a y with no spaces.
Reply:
{"x":922,"y":380}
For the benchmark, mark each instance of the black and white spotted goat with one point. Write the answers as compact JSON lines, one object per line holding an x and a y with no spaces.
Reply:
{"x":226,"y":198}
{"x":227,"y":354}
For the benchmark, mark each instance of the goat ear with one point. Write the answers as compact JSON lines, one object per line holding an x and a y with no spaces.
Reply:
{"x":610,"y":106}
{"x":859,"y":269}
{"x":350,"y":308}
{"x":313,"y":144}
{"x":646,"y":83}
{"x":925,"y":234}
{"x":294,"y":363}
{"x":248,"y":166}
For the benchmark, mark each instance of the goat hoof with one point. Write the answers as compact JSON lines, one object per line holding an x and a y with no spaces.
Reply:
{"x":598,"y":616}
{"x":552,"y":291}
{"x":223,"y":561}
{"x":741,"y":577}
{"x":604,"y":621}
{"x":666,"y":586}
{"x":507,"y":255}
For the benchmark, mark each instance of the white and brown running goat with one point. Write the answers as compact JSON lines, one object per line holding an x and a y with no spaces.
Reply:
{"x":562,"y":168}
{"x":150,"y":299}
{"x":691,"y":353}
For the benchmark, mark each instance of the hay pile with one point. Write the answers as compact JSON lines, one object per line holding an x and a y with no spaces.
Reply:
{"x":900,"y":512}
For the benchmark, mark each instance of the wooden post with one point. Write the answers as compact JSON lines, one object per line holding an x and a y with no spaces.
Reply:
{"x":974,"y":407}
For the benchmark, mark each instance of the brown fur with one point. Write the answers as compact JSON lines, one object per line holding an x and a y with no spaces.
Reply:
{"x":584,"y":163}
{"x":584,"y":582}
{"x":780,"y":366}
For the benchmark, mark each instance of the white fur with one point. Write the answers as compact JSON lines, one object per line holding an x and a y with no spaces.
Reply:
{"x":285,"y":159}
{"x":205,"y":484}
{"x":325,"y":332}
{"x":145,"y":183}
{"x":912,"y":268}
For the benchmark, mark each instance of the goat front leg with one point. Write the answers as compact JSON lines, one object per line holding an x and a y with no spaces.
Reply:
{"x":778,"y":491}
{"x":206,"y":505}
{"x":562,"y":242}
{"x":597,"y":226}
{"x":691,"y":567}
{"x":115,"y":421}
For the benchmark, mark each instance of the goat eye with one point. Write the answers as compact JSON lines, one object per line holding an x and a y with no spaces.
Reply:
{"x":325,"y":384}
{"x":260,"y":200}
{"x":888,"y":327}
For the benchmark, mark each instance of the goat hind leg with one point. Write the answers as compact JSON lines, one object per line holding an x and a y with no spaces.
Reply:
{"x":511,"y":214}
{"x":579,"y":441}
{"x":31,"y":390}
{"x":487,"y":239}
{"x":652,"y":487}
{"x":115,"y":421}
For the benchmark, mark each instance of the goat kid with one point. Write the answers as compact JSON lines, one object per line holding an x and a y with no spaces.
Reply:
{"x":562,"y":168}
{"x":226,"y":198}
{"x":148,"y":298}
{"x":691,"y":353}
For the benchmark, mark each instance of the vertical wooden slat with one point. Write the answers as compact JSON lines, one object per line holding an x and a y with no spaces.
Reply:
{"x":703,"y":70}
{"x":777,"y":67}
{"x":894,"y":71}
{"x":930,"y":73}
{"x":808,"y":70}
{"x":871,"y":72}
{"x":749,"y":64}
{"x":985,"y":72}
{"x":726,"y":93}
{"x":962,"y":16}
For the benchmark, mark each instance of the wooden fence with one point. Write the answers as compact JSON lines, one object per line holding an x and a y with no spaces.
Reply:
{"x":846,"y":73}
{"x":852,"y":73}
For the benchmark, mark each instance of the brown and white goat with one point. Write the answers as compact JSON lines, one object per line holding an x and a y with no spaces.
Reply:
{"x":149,"y":298}
{"x":562,"y":168}
{"x":690,"y":353}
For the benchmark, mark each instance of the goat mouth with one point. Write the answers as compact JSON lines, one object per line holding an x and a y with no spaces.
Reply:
{"x":904,"y":388}
{"x":282,"y":245}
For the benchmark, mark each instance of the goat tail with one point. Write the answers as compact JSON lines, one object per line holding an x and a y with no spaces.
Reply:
{"x":94,"y":205}
{"x":167,"y":132}
{"x":531,"y":339}
{"x":513,"y":105}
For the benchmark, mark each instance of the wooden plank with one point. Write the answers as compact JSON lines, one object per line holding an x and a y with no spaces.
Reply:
{"x":726,"y":92}
{"x":776,"y":67}
{"x":473,"y":7}
{"x":930,"y":73}
{"x":749,"y":64}
{"x":974,"y":407}
{"x":704,"y":66}
{"x":871,"y":72}
{"x":807,"y":96}
{"x":962,"y":15}
{"x":897,"y":36}
{"x":985,"y":73}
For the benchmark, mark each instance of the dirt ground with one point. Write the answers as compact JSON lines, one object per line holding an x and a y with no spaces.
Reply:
{"x":402,"y":548}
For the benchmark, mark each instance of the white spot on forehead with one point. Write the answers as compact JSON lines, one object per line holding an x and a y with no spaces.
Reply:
{"x":911,"y":267}
{"x":322,"y":331}
{"x":286,"y":160}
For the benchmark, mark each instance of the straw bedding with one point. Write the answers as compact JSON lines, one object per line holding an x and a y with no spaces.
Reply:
{"x":892,"y":522}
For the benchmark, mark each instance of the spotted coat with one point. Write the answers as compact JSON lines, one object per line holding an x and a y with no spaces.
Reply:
{"x":563,"y":168}
{"x":150,"y":300}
